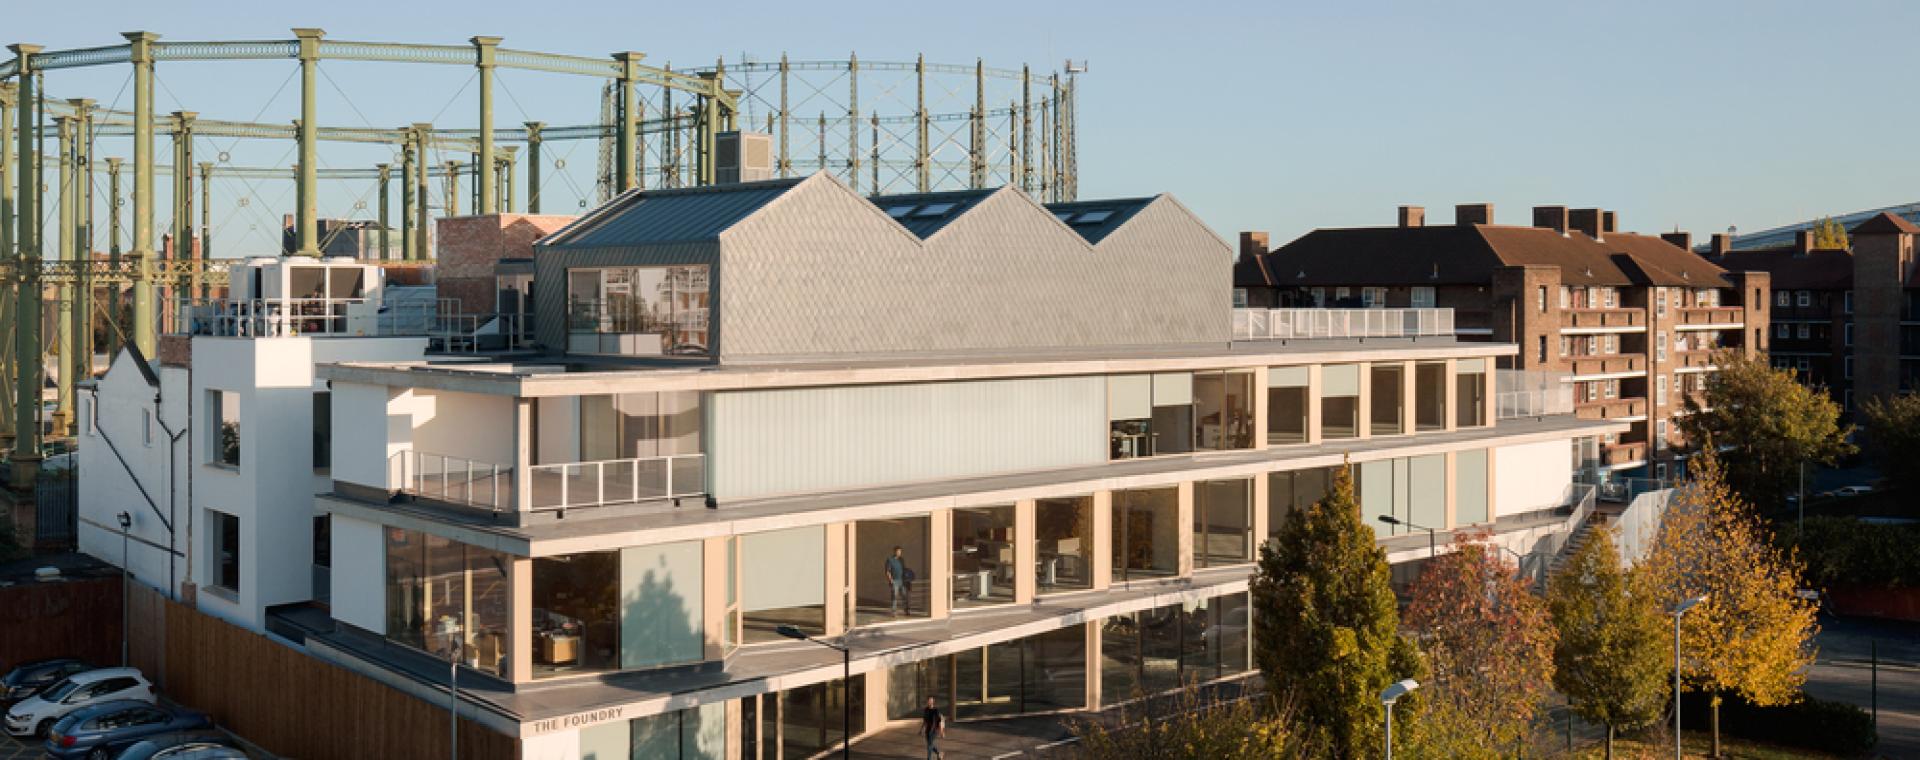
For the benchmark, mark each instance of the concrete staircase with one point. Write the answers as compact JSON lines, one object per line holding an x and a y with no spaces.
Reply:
{"x":1603,"y":516}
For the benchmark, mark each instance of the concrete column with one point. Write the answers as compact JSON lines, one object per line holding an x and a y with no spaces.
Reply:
{"x":1025,"y":577}
{"x":533,"y":166}
{"x":520,"y":620}
{"x":141,"y":56}
{"x":308,"y":230}
{"x":522,"y":454}
{"x":713,"y":607}
{"x":1314,"y":385}
{"x":1183,"y":527}
{"x":483,"y":49}
{"x":385,"y":172}
{"x":1258,"y":403}
{"x":836,"y":546}
{"x":1102,"y":549}
{"x":1365,"y":428}
{"x":1261,"y":528}
{"x":629,"y":127}
{"x":1092,"y":668}
{"x":63,"y":319}
{"x":940,"y":563}
{"x":26,"y":334}
{"x":1408,"y":389}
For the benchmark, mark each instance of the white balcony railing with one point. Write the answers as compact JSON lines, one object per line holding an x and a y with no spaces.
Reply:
{"x":1290,"y":324}
{"x":1531,"y":393}
{"x":280,"y":317}
{"x":455,"y":480}
{"x":617,"y":481}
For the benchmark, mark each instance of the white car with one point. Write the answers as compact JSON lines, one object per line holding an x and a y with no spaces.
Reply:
{"x":1854,"y":491}
{"x":34,"y":715}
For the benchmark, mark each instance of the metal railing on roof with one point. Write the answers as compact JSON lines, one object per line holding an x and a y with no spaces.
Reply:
{"x":281,"y":317}
{"x":1531,"y":393}
{"x":1291,"y":324}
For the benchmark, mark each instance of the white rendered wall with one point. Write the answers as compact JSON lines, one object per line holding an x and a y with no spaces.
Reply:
{"x":365,"y":435}
{"x":811,"y":439}
{"x":359,"y":574}
{"x":108,"y":487}
{"x":1531,"y":476}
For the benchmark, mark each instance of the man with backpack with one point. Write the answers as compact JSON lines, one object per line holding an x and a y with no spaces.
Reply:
{"x":900,"y":579}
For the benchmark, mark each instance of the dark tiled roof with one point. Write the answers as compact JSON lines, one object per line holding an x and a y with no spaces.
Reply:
{"x":1884,"y":223}
{"x":1792,"y":270}
{"x":926,"y":213}
{"x":1095,"y":220}
{"x":1467,"y":255}
{"x":669,"y":216}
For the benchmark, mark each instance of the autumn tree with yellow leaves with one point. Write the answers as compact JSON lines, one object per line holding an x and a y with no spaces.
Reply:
{"x":1753,"y":636}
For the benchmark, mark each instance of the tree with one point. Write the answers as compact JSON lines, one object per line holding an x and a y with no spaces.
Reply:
{"x":1610,"y":658}
{"x":1329,"y":635}
{"x":1767,"y":424}
{"x":1192,"y":728}
{"x":1893,"y":433}
{"x":1830,"y":235}
{"x":1489,"y":646}
{"x":1753,"y":636}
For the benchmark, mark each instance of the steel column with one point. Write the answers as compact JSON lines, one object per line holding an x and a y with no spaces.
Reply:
{"x":629,"y":126}
{"x":1026,"y":129}
{"x":923,"y":169}
{"x":853,"y":122}
{"x":141,"y":57}
{"x":978,"y":172}
{"x":114,"y":338}
{"x":786,"y":164}
{"x":26,"y":334}
{"x":182,"y":191}
{"x":386,"y":202}
{"x":205,"y":252}
{"x":453,"y":189}
{"x":309,"y":126}
{"x":421,"y":202}
{"x":63,"y":306}
{"x":505,"y":179}
{"x":483,"y":48}
{"x":8,"y":159}
{"x":83,"y":223}
{"x":406,"y":200}
{"x":874,"y":167}
{"x":533,"y":166}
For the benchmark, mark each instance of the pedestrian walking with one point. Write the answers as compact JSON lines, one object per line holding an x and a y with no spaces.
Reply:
{"x":934,"y":725}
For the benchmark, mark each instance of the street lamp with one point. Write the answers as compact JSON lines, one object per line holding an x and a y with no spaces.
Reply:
{"x":846,"y":684}
{"x":1391,"y":520}
{"x":1678,"y":610}
{"x":126,"y":529}
{"x":1393,"y":694}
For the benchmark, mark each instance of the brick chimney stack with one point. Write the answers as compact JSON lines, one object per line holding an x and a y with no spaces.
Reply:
{"x":1680,"y":240}
{"x":1551,"y":217}
{"x":1413,"y":216}
{"x":1721,"y":245}
{"x":1803,"y":242}
{"x":1608,"y":219}
{"x":1252,"y":244}
{"x":1473,"y":213}
{"x":1586,"y":220}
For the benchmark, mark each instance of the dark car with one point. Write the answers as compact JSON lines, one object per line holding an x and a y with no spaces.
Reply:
{"x":187,"y":745}
{"x":98,"y":732}
{"x":21,"y":682}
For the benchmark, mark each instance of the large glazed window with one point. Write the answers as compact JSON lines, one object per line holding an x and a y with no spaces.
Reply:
{"x":1287,"y":400}
{"x":223,"y":430}
{"x":576,"y":613}
{"x":1290,"y":492}
{"x":1146,"y":533}
{"x":1223,"y":410}
{"x":444,"y":597}
{"x":1430,"y":396}
{"x":1470,"y":393}
{"x":890,"y":569}
{"x":1222,"y":522}
{"x":983,"y":556}
{"x":638,"y":311}
{"x":1470,"y":487}
{"x":1063,"y":543}
{"x":1389,"y":405}
{"x":1340,"y":401}
{"x":783,"y":577}
{"x":1150,"y":414}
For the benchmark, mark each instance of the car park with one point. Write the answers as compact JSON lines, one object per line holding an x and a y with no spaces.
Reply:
{"x":101,"y":730}
{"x":36,"y":714}
{"x":188,"y":745}
{"x":28,"y":677}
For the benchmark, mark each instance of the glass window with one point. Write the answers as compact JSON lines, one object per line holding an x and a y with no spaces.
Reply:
{"x":662,"y":599}
{"x":1340,"y":401}
{"x":811,"y":717}
{"x":1146,"y":533}
{"x":1388,"y":398}
{"x":987,"y":681}
{"x":1214,"y":635}
{"x":783,"y":581}
{"x":1422,"y":297}
{"x":1063,"y":543}
{"x":576,"y":613}
{"x":1430,"y":396}
{"x":1161,"y":638}
{"x":1150,"y":414}
{"x":909,"y":685}
{"x":226,"y":554}
{"x":1287,"y":400}
{"x":223,"y":445}
{"x":1289,"y":492}
{"x":1120,"y":659}
{"x":1470,"y":487}
{"x":983,"y":555}
{"x":1427,"y":491}
{"x":1470,"y":393}
{"x":322,"y":430}
{"x":1223,"y":410}
{"x":638,"y":311}
{"x":1783,"y":299}
{"x":445,"y":597}
{"x":1222,"y":522}
{"x":891,"y":559}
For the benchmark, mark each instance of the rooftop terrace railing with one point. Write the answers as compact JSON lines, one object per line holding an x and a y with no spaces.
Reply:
{"x":1291,"y":324}
{"x":454,"y":480}
{"x":281,"y":317}
{"x":617,"y":481}
{"x":1531,"y":393}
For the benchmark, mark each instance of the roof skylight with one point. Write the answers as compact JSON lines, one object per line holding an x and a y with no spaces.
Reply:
{"x":899,"y":211}
{"x":935,"y":209}
{"x":1093,"y":217}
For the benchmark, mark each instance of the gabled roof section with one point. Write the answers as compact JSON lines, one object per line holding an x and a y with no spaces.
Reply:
{"x":140,"y":362}
{"x":1468,"y":254}
{"x":924,"y":214}
{"x":676,"y":215}
{"x":1885,"y":223}
{"x":1825,"y":269}
{"x":1095,"y":220}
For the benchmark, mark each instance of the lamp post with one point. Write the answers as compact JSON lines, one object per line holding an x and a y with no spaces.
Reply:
{"x":846,"y":684}
{"x":453,"y":700}
{"x":126,"y":529}
{"x":1393,"y":694}
{"x":1391,"y":520}
{"x":1678,"y":610}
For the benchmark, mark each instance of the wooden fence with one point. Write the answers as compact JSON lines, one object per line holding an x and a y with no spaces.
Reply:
{"x":73,"y":617}
{"x":286,"y":702}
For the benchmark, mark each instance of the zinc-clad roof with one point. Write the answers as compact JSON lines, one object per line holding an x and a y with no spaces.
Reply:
{"x":1081,"y":216}
{"x":928,"y":213}
{"x":671,"y":216}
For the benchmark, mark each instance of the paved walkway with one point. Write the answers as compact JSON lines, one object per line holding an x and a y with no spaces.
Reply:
{"x":978,"y":740}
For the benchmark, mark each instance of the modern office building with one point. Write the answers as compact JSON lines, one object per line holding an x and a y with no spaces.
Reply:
{"x":751,"y":398}
{"x":1630,"y":321}
{"x":1844,"y":320}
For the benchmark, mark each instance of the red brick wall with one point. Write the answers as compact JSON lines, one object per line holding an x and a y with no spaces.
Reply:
{"x":466,"y":248}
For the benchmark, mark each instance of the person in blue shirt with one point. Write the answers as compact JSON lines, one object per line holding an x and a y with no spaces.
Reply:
{"x":898,"y":578}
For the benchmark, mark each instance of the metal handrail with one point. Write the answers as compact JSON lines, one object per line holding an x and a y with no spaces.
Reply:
{"x":451,"y":479}
{"x":280,"y":317}
{"x":616,"y":481}
{"x":1292,"y":324}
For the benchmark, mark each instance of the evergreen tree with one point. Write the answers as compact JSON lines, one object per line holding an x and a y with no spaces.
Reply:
{"x":1611,"y":657}
{"x":1753,"y":636}
{"x":1489,"y":645}
{"x":1328,"y":639}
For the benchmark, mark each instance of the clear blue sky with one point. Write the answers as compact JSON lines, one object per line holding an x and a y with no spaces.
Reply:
{"x":1258,"y":115}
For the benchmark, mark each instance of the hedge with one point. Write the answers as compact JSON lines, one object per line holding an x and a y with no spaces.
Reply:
{"x":1816,"y":724}
{"x":1843,"y":551}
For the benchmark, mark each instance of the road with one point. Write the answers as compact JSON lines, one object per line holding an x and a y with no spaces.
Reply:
{"x":1843,"y":673}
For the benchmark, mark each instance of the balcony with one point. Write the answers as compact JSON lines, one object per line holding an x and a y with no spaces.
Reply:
{"x":1699,"y":359}
{"x":285,"y":317}
{"x":1620,"y":454}
{"x":1290,"y":324}
{"x":1603,"y":320}
{"x":489,"y":487}
{"x":1611,"y":408}
{"x":1608,"y":364}
{"x":1708,"y":317}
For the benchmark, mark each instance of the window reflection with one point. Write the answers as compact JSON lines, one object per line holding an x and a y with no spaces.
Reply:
{"x":1223,"y":410}
{"x":1160,"y":649}
{"x":1340,"y":401}
{"x":576,"y":613}
{"x":1430,"y":396}
{"x":638,"y":311}
{"x":1222,"y":522}
{"x":1287,"y":400}
{"x":1388,"y":398}
{"x":1470,"y":393}
{"x":1063,"y":544}
{"x":1146,"y":533}
{"x":447,"y":598}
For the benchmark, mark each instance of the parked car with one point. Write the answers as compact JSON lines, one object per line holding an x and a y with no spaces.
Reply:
{"x":29,"y":677}
{"x":34,"y":715}
{"x":188,"y":745}
{"x":101,"y":730}
{"x":1853,"y":491}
